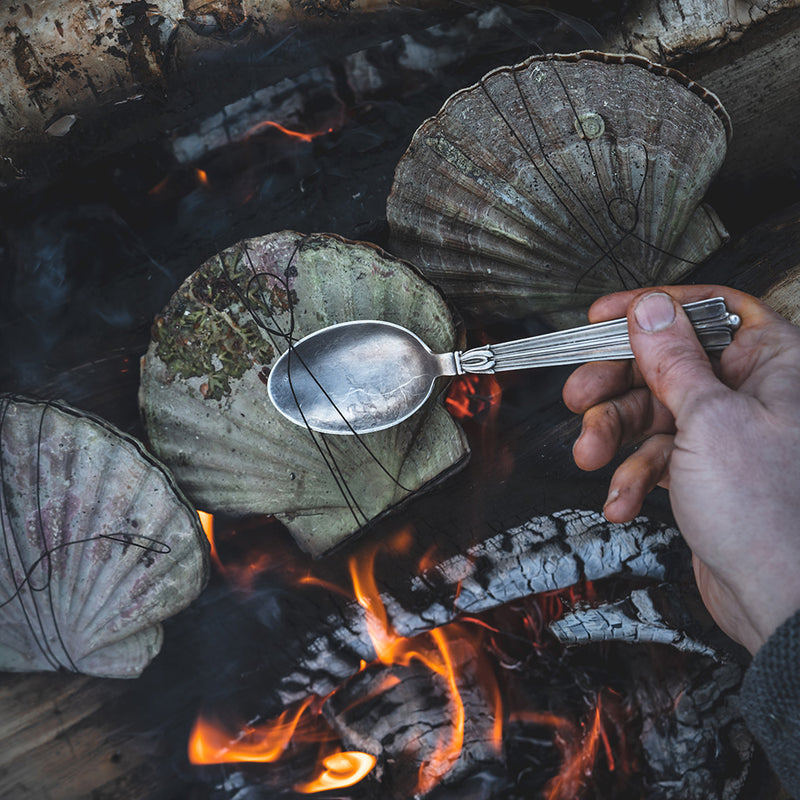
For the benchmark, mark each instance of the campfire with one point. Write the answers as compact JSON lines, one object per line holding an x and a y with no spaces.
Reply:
{"x":421,"y":712}
{"x":438,"y":610}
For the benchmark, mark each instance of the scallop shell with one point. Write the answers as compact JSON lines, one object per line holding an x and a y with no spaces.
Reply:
{"x":553,"y":182}
{"x":205,"y":404}
{"x":98,"y":545}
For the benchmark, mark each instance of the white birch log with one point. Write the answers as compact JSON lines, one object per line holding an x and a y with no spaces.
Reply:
{"x":665,"y":30}
{"x":63,"y":60}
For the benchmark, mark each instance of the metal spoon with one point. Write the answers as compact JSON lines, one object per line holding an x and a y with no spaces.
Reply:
{"x":367,"y":375}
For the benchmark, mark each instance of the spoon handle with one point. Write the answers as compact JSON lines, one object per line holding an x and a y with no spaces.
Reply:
{"x":602,"y":341}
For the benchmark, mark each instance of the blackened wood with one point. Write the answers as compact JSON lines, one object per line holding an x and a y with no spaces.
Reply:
{"x":698,"y":697}
{"x":404,"y":725}
{"x":546,"y":554}
{"x":759,"y":258}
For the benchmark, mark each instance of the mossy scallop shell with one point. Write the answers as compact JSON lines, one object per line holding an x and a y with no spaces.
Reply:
{"x":204,"y":399}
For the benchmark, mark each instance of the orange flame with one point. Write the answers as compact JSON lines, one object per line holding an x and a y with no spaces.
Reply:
{"x":340,"y":770}
{"x":210,"y":742}
{"x":179,"y":183}
{"x":207,"y":522}
{"x":473,"y":396}
{"x":241,"y":574}
{"x":579,"y":748}
{"x":434,"y":650}
{"x":312,"y":580}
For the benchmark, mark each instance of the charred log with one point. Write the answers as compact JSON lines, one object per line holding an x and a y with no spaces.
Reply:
{"x":763,"y":257}
{"x":638,"y":619}
{"x":546,"y":554}
{"x":405,"y":724}
{"x":79,"y":81}
{"x":684,"y":721}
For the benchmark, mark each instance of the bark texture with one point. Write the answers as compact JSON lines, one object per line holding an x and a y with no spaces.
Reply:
{"x":665,"y":30}
{"x":784,"y":296}
{"x":63,"y":63}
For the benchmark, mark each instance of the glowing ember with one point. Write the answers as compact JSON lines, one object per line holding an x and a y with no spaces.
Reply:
{"x":340,"y":770}
{"x":241,"y":573}
{"x":579,"y":746}
{"x":303,"y":137}
{"x":473,"y":396}
{"x":179,"y":183}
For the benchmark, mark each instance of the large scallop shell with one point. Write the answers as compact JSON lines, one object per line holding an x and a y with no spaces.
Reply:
{"x":204,"y":398}
{"x":98,"y":545}
{"x":553,"y":182}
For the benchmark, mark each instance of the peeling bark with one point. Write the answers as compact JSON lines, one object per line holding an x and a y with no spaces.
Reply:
{"x":665,"y":30}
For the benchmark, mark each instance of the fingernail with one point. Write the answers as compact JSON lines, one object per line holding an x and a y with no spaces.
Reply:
{"x":611,"y":499}
{"x":655,"y":312}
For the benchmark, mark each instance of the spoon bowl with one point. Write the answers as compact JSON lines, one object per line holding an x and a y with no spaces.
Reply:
{"x":356,"y":377}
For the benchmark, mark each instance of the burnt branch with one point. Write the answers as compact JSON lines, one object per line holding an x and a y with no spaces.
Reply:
{"x":546,"y":554}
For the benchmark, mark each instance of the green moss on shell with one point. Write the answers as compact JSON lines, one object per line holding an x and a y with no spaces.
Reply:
{"x":208,"y":332}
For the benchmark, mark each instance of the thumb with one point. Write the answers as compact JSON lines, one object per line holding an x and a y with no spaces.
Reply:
{"x":670,"y":357}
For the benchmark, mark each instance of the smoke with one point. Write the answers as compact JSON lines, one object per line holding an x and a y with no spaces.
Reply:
{"x":78,"y":280}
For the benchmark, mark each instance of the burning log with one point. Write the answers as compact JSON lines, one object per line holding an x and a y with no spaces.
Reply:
{"x":387,"y":70}
{"x":79,"y":82}
{"x":545,"y":555}
{"x":397,"y":713}
{"x":405,"y":718}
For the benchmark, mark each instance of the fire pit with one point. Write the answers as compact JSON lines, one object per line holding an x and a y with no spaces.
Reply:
{"x":476,"y":642}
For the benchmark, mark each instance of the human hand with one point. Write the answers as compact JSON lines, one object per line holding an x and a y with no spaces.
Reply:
{"x":723,"y":438}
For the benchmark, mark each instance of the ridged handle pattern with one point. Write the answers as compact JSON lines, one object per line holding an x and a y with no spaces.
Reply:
{"x":602,"y":341}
